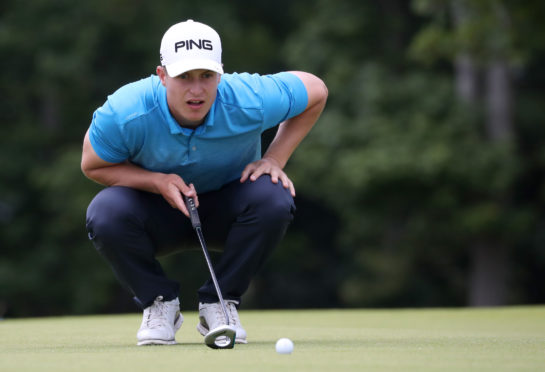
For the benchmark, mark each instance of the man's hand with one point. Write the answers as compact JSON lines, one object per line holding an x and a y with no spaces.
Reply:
{"x":171,"y":187}
{"x":267,"y":166}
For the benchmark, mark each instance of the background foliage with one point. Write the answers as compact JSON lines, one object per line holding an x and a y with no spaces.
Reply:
{"x":405,"y":197}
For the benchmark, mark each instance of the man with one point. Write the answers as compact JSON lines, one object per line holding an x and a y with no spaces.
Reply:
{"x":196,"y":131}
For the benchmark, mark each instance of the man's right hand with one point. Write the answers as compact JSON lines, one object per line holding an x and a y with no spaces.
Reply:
{"x":171,"y":187}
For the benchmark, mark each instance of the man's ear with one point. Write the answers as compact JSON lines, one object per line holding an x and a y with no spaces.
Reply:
{"x":161,"y":72}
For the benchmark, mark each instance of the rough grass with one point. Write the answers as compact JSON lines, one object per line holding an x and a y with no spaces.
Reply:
{"x":498,"y":339}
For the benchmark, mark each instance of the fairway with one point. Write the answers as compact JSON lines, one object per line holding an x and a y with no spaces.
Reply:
{"x":498,"y":339}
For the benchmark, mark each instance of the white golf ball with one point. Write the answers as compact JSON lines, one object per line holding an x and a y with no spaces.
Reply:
{"x":284,"y":346}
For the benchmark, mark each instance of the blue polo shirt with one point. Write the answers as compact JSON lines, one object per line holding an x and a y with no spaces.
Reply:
{"x":135,"y":124}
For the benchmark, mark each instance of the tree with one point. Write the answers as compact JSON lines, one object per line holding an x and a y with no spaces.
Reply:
{"x":483,"y":42}
{"x":420,"y":187}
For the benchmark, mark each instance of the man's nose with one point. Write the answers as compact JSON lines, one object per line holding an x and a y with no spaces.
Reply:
{"x":196,"y":87}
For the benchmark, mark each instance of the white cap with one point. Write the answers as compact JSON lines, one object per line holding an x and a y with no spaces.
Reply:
{"x":191,"y":45}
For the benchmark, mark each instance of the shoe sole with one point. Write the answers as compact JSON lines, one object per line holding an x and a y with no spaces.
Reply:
{"x":156,"y":342}
{"x":204,"y":331}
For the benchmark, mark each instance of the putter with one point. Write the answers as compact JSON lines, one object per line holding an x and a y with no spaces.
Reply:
{"x":222,"y":337}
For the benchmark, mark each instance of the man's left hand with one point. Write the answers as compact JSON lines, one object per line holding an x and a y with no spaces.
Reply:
{"x":269,"y":166}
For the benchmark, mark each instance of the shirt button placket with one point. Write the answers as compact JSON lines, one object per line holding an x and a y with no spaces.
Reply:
{"x":192,"y":148}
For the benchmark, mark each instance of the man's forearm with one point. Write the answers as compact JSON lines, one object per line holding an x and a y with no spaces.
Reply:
{"x":126,"y":174}
{"x":291,"y":132}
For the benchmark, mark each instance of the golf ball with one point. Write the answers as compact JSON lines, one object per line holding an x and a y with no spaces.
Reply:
{"x":284,"y":346}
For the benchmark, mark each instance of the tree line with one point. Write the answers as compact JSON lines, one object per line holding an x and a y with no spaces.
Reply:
{"x":421,"y":185}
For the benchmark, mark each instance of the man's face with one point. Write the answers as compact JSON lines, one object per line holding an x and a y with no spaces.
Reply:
{"x":190,"y":95}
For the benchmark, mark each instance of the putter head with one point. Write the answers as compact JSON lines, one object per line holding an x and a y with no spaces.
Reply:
{"x":222,"y":337}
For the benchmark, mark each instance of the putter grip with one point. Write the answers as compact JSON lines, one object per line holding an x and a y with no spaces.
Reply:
{"x":193,"y":214}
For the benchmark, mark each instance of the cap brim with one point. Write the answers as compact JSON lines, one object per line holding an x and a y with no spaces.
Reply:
{"x":177,"y":68}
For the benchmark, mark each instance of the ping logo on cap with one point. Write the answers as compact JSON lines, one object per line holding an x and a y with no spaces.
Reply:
{"x":189,"y":44}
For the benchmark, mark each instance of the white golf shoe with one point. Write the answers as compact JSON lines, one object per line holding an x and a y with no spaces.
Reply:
{"x":160,"y":323}
{"x":211,"y":316}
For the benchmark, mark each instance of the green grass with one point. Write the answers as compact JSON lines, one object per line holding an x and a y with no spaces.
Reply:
{"x":498,"y":339}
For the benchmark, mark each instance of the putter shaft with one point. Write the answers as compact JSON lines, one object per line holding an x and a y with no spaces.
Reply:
{"x":212,"y":274}
{"x":196,"y":223}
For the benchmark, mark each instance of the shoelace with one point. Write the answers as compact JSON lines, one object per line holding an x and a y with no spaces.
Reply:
{"x":220,"y":316}
{"x":157,"y":314}
{"x":232,"y":310}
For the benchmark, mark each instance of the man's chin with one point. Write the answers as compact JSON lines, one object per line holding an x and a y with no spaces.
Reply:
{"x":188,"y":123}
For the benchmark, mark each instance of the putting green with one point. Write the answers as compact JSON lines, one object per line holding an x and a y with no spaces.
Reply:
{"x":496,"y":339}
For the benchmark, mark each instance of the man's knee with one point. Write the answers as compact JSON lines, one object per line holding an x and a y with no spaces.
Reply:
{"x":271,"y":201}
{"x":113,"y":210}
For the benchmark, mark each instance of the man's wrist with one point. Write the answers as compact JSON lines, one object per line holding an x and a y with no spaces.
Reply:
{"x":272,"y":160}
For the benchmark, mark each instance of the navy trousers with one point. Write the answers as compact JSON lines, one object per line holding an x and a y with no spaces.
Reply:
{"x":130,"y":228}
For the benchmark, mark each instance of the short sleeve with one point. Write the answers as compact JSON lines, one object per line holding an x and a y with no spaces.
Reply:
{"x":284,"y":96}
{"x":106,"y":137}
